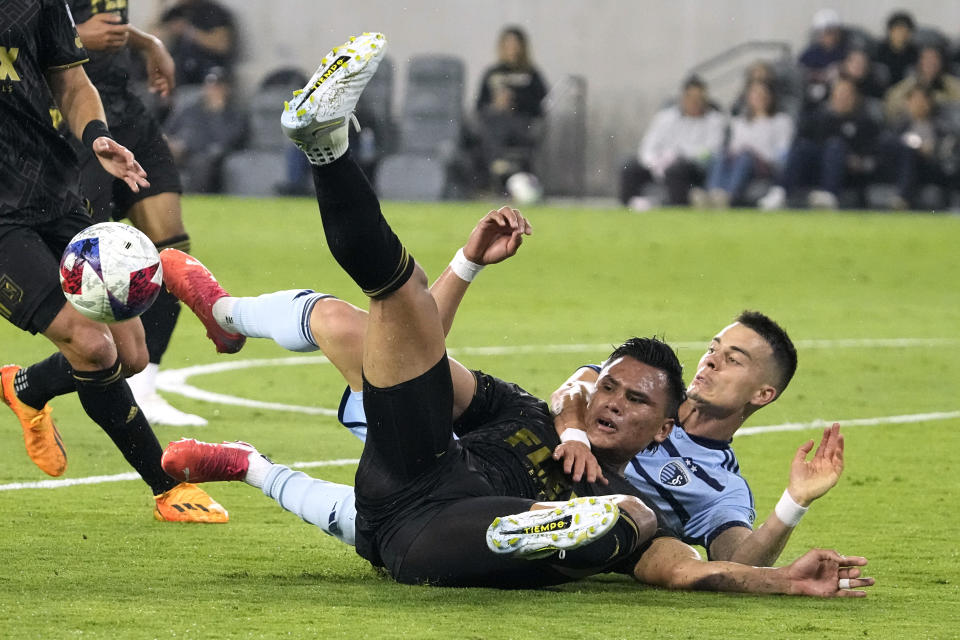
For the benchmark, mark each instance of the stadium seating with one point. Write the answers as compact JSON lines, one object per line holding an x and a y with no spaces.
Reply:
{"x":430,"y":129}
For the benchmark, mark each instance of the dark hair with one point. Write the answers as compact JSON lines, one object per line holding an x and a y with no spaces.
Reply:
{"x":772,"y":109}
{"x":659,"y":355}
{"x":900,"y":18}
{"x":784,"y":353}
{"x":521,"y":36}
{"x":694,"y":82}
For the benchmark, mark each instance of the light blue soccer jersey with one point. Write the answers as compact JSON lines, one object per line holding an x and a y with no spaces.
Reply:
{"x":696,"y":482}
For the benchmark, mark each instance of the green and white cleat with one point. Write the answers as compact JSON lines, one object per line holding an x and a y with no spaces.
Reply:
{"x":317,"y":116}
{"x":536,"y":534}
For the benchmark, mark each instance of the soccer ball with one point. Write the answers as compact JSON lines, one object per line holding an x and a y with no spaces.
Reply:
{"x":524,"y":188}
{"x":111,"y":272}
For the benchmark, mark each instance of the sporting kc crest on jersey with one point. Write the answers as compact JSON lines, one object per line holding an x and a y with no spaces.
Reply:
{"x":674,"y":474}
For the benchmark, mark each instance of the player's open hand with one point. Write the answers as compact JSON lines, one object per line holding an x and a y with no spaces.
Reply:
{"x":827,"y":574}
{"x":120,"y":163}
{"x":579,"y":462}
{"x":810,"y":479}
{"x":497,"y":236}
{"x":103,"y":32}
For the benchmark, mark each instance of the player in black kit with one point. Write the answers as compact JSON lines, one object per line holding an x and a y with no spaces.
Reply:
{"x":471,"y":512}
{"x":40,"y":211}
{"x":109,"y":38}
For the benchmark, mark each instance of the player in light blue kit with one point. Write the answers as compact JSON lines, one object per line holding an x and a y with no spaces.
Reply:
{"x":694,"y":475}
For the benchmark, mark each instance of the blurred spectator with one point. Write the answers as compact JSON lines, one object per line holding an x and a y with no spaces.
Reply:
{"x":759,"y":140}
{"x":834,"y":143}
{"x":509,"y":108}
{"x":676,"y":148}
{"x":200,"y":35}
{"x":202,"y":132}
{"x":757,"y":71}
{"x":871,"y":82}
{"x":897,"y":52}
{"x":825,"y":52}
{"x":916,"y":152}
{"x":928,"y":74}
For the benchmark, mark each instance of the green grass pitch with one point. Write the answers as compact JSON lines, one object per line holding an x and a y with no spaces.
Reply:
{"x":872,"y":300}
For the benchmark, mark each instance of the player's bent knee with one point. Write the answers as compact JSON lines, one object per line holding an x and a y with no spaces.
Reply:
{"x":90,"y":346}
{"x":641,"y":515}
{"x":333,"y":320}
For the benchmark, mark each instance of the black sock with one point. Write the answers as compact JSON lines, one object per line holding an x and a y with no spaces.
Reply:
{"x":359,"y":237}
{"x":37,"y":384}
{"x":160,"y":319}
{"x":108,"y":401}
{"x":608,"y":550}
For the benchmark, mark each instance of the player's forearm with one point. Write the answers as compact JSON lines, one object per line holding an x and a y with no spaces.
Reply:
{"x":762,"y":547}
{"x":77,"y":98}
{"x":448,"y":291}
{"x":143,"y":41}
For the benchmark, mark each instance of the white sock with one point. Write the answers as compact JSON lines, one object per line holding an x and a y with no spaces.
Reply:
{"x":326,"y":505}
{"x":223,"y":313}
{"x":283,"y":316}
{"x":257,"y":470}
{"x":144,"y":384}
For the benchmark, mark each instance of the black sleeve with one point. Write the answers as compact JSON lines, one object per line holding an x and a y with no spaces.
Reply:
{"x":59,"y":45}
{"x":495,"y":399}
{"x":538,"y":91}
{"x":483,"y":98}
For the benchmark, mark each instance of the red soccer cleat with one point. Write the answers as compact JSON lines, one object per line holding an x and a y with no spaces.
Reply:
{"x":189,"y":460}
{"x":191,"y":282}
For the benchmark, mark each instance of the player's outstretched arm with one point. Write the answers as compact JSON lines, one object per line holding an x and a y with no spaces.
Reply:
{"x":568,"y":404}
{"x":80,"y":105}
{"x":159,"y":63}
{"x":809,"y":480}
{"x":822,"y":573}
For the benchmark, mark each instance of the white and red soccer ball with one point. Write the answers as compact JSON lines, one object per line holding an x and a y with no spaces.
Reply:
{"x":111,"y":272}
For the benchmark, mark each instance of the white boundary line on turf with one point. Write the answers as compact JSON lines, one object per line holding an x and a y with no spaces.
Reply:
{"x":746,"y":431}
{"x":176,"y":380}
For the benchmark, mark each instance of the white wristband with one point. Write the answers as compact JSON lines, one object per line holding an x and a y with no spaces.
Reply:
{"x":575,"y":434}
{"x":788,"y":510}
{"x":464,"y":269}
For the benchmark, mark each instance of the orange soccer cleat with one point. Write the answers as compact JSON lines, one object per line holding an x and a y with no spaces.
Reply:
{"x":40,"y":434}
{"x":195,"y":286}
{"x":188,"y":503}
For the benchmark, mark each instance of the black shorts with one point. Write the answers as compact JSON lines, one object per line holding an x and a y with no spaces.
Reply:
{"x":111,"y":198}
{"x":424,"y":504}
{"x":30,"y":293}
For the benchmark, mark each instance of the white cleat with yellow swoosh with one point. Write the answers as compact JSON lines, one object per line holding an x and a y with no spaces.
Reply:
{"x":317,"y":116}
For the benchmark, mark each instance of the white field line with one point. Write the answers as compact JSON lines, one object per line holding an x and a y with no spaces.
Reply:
{"x":175,"y":380}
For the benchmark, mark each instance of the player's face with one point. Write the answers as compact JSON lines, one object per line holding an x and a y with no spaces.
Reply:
{"x":627,"y":411}
{"x":735,"y":371}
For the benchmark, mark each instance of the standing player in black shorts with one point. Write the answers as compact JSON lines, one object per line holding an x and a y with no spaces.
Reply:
{"x":107,"y":35}
{"x":40,"y":211}
{"x":432,"y":509}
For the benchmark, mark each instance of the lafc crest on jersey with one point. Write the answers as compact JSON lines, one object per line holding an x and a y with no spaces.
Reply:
{"x":7,"y":69}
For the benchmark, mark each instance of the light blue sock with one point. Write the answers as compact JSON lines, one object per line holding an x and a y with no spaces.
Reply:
{"x":324,"y":504}
{"x":283,"y":316}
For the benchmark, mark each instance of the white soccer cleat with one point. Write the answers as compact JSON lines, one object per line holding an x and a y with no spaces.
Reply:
{"x":158,"y":411}
{"x":775,"y":199}
{"x":539,"y":533}
{"x":317,"y":117}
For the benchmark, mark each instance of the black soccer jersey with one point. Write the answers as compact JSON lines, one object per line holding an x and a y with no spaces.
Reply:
{"x":509,"y":437}
{"x":39,"y":179}
{"x":109,"y":71}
